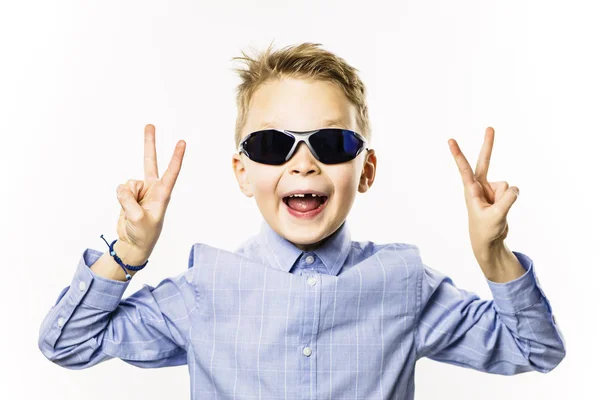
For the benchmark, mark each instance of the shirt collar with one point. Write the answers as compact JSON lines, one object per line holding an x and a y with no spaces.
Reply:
{"x":282,"y":254}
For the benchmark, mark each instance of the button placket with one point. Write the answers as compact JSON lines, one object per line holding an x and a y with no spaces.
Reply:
{"x":312,"y":305}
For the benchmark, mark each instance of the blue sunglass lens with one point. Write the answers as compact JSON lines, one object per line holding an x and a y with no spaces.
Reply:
{"x":335,"y":145}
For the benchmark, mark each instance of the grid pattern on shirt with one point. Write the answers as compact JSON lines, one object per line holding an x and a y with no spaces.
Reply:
{"x":348,"y":320}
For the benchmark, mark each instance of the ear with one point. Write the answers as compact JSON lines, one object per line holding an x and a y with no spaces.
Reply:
{"x":367,"y":176}
{"x":241,"y":174}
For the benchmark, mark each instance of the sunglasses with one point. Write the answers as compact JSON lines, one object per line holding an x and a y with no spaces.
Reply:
{"x":328,"y":145}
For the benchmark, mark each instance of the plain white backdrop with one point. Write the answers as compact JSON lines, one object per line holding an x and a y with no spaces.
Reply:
{"x":80,"y":80}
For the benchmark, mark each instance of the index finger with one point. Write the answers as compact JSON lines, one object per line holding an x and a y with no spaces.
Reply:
{"x":466,"y":172}
{"x":150,"y":166}
{"x":170,"y":176}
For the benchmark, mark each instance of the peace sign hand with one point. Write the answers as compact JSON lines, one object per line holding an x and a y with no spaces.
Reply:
{"x":488,"y":203}
{"x":144,"y":203}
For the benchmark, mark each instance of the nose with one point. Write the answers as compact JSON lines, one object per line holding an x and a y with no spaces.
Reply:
{"x":303,"y":162}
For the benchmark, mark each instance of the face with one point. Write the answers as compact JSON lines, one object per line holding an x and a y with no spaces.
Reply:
{"x":303,"y":105}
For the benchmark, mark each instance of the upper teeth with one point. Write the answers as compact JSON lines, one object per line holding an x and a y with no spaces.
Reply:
{"x":302,"y":195}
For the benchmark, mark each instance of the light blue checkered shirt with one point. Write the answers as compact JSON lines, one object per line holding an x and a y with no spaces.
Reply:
{"x":346,"y":321}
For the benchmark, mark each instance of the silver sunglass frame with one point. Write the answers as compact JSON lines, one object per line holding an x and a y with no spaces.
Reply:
{"x":302,"y":136}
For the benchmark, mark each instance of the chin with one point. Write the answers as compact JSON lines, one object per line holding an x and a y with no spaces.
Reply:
{"x":301,"y":231}
{"x":303,"y":235}
{"x":306,"y":234}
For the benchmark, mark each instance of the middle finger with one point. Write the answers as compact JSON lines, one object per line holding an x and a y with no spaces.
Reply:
{"x":485,"y":155}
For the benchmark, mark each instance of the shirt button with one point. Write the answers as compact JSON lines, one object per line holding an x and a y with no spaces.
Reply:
{"x":312,"y":281}
{"x":82,"y":286}
{"x":309,"y":259}
{"x":61,"y":322}
{"x":307,"y":351}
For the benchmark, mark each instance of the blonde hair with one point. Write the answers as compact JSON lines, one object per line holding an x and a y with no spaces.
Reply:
{"x":306,"y":60}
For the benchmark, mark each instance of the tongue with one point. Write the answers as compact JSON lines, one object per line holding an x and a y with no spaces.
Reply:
{"x":303,"y":204}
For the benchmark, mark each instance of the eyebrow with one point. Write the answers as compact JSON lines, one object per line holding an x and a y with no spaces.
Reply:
{"x":326,"y":123}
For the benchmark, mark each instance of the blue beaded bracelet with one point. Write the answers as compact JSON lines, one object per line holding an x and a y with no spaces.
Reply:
{"x":120,"y":262}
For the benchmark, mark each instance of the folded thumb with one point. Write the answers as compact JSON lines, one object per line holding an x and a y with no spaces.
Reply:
{"x":133,"y":211}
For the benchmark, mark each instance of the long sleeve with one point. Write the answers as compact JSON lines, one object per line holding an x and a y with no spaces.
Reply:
{"x":514,"y":333}
{"x":90,"y":322}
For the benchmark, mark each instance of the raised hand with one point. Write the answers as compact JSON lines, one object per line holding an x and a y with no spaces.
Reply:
{"x":488,"y":203}
{"x":144,"y":203}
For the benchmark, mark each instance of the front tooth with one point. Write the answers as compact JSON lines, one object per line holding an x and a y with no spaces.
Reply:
{"x":314,"y":195}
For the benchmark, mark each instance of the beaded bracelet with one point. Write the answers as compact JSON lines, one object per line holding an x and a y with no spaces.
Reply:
{"x":120,"y":262}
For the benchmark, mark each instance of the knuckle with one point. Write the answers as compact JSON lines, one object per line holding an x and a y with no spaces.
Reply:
{"x":123,"y":192}
{"x":131,"y":182}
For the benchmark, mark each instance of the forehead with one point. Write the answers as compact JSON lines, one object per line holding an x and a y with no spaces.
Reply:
{"x":299,"y":105}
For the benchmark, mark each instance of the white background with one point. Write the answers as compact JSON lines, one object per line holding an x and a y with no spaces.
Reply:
{"x":79,"y":81}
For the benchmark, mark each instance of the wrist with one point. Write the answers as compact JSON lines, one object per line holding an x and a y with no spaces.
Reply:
{"x":500,"y":265}
{"x":490,"y":254}
{"x":130,"y":255}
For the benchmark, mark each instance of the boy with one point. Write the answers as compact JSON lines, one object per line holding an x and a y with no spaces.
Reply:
{"x":300,"y":310}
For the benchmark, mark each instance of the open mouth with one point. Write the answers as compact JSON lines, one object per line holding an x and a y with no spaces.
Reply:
{"x":305,"y":203}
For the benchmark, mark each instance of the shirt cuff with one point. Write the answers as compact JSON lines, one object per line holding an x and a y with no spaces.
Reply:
{"x":87,"y":288}
{"x":96,"y":291}
{"x":520,"y":293}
